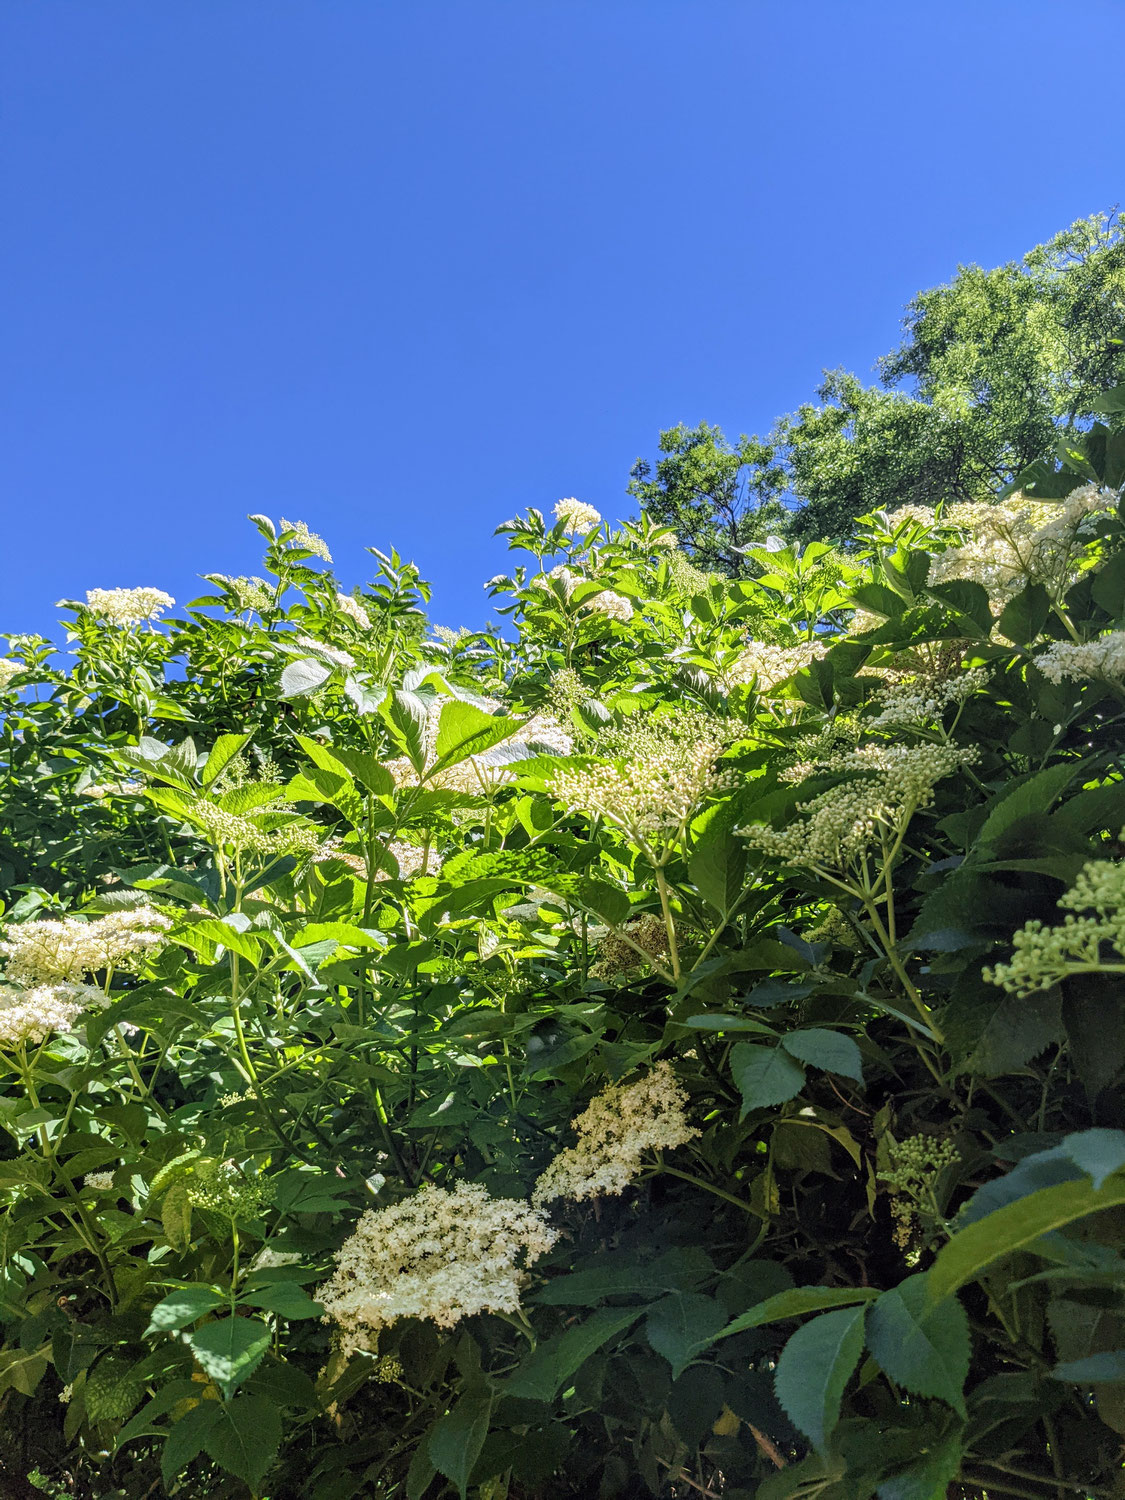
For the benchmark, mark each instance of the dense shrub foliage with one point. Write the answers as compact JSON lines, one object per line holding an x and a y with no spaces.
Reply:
{"x":668,"y":1046}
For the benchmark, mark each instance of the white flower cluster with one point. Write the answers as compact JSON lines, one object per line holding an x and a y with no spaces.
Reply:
{"x":890,"y":783}
{"x":577,"y":517}
{"x":31,"y":1015}
{"x":1102,"y":659}
{"x":305,"y":540}
{"x":127,"y":606}
{"x":614,"y":1132}
{"x":354,"y":610}
{"x":249,"y":593}
{"x":1013,"y":542}
{"x":923,"y":699}
{"x":44,"y":952}
{"x":1041,"y":956}
{"x":616,"y":606}
{"x":98,"y":1182}
{"x":327,"y":653}
{"x":922,"y":515}
{"x":767,"y":665}
{"x":651,"y":793}
{"x":565,"y":577}
{"x":442,"y":1254}
{"x":9,"y":668}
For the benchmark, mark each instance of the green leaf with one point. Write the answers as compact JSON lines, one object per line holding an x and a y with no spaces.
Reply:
{"x":183,"y":1306}
{"x":922,"y":1347}
{"x":766,"y":1075}
{"x":717,"y":867}
{"x":1099,"y":1152}
{"x":795,"y":1303}
{"x":815,"y":1366}
{"x":1094,"y":1369}
{"x":1014,"y":1227}
{"x":175,"y":1215}
{"x":1022,"y":618}
{"x":304,"y":676}
{"x":287,"y":1299}
{"x":456,"y":1439}
{"x":464,"y":730}
{"x":543,"y":1372}
{"x":187,"y":1437}
{"x":830,"y":1050}
{"x":681,"y":1325}
{"x":675,"y":1271}
{"x":223,"y":751}
{"x":229,"y":1350}
{"x":246,"y":1439}
{"x":930,"y":1476}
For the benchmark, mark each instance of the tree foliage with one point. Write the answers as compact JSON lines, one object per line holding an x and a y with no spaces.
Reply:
{"x":994,"y":367}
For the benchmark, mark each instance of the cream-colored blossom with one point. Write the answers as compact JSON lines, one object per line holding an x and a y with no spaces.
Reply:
{"x":614,"y":1132}
{"x":1041,"y":956}
{"x":127,"y":606}
{"x":565,"y":577}
{"x":1010,"y":543}
{"x":1102,"y":659}
{"x":354,"y":610}
{"x":616,"y":606}
{"x":337,"y":657}
{"x":767,"y":665}
{"x":305,"y":540}
{"x":47,"y":951}
{"x":923,"y":515}
{"x":31,"y":1015}
{"x":923,"y":698}
{"x":578,"y":517}
{"x":665,"y":539}
{"x":668,"y":768}
{"x":249,"y":593}
{"x":98,"y":1182}
{"x":441,"y":1254}
{"x":888,"y":784}
{"x":9,"y":668}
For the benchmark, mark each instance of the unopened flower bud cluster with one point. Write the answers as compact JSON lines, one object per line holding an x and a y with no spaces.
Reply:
{"x":1095,"y":921}
{"x":891,"y":782}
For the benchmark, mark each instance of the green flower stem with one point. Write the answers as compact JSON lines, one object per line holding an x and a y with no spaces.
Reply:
{"x":708,"y":1187}
{"x":669,"y":923}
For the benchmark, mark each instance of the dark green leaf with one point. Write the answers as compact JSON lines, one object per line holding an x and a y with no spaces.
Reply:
{"x":765,"y":1075}
{"x":681,"y":1325}
{"x":246,"y":1440}
{"x":456,"y":1439}
{"x":830,"y":1050}
{"x":922,"y":1347}
{"x":229,"y":1350}
{"x":815,"y":1366}
{"x":544,"y":1371}
{"x":183,"y":1306}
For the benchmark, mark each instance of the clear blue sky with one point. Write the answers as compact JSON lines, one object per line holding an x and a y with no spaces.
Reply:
{"x":404,"y":267}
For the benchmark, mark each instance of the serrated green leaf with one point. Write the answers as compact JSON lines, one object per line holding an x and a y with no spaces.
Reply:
{"x":187,"y":1437}
{"x":1014,"y":1227}
{"x":681,"y":1325}
{"x":765,"y":1075}
{"x":185,"y":1305}
{"x":246,"y":1438}
{"x":229,"y":1350}
{"x":795,"y":1303}
{"x":223,"y":751}
{"x":175,"y":1215}
{"x":813,"y":1369}
{"x":922,"y":1347}
{"x":542,"y":1373}
{"x":455,"y":1440}
{"x":830,"y":1050}
{"x":304,"y":676}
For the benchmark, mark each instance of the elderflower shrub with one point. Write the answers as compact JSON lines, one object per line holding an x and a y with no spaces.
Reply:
{"x":334,"y":1075}
{"x":9,"y":670}
{"x":443,"y":1254}
{"x":614,"y":1132}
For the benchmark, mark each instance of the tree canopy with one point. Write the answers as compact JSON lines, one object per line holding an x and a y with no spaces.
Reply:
{"x":994,"y":366}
